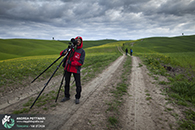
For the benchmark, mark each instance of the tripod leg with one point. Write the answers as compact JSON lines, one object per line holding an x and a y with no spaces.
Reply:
{"x":50,"y":79}
{"x":44,"y":87}
{"x":60,"y":87}
{"x":46,"y":69}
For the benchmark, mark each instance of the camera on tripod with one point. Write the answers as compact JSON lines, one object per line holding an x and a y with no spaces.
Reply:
{"x":73,"y":42}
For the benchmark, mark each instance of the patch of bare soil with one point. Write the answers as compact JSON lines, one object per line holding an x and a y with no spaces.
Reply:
{"x":22,"y":93}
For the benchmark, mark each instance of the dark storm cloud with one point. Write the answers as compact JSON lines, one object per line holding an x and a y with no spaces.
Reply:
{"x":178,"y":7}
{"x":30,"y":11}
{"x":120,"y":19}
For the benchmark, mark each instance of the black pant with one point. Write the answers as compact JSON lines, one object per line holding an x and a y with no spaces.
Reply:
{"x":67,"y":84}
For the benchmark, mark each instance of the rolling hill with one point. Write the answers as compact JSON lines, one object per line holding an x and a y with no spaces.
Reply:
{"x":181,"y":50}
{"x":166,"y":45}
{"x":15,"y":48}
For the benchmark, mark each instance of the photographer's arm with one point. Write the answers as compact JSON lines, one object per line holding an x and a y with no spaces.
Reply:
{"x":63,"y":52}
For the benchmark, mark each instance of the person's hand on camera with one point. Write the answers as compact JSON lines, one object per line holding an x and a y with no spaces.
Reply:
{"x":64,"y":52}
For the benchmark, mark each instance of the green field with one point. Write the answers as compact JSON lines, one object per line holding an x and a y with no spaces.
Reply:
{"x":180,"y":50}
{"x":166,"y":45}
{"x":93,"y":43}
{"x":24,"y":59}
{"x":15,"y":48}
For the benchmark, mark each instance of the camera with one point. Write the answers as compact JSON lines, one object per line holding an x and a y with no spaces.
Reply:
{"x":74,"y":41}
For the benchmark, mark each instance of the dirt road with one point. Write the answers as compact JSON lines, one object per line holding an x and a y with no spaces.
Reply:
{"x":147,"y":107}
{"x":144,"y":109}
{"x":69,"y":115}
{"x":144,"y":106}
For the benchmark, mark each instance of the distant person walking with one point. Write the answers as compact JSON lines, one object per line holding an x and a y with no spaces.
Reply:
{"x":131,"y":52}
{"x":126,"y":51}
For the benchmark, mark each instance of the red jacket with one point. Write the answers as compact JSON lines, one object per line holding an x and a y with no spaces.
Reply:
{"x":76,"y":57}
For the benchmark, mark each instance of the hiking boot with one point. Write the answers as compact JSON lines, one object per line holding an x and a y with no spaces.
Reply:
{"x":65,"y":99}
{"x":77,"y":101}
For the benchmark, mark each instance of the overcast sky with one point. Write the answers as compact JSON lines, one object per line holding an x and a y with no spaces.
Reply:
{"x":96,"y":19}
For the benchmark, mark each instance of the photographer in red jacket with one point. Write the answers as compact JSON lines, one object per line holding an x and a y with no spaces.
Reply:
{"x":73,"y":63}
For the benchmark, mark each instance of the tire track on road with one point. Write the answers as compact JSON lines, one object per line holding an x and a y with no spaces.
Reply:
{"x":145,"y":108}
{"x":138,"y":114}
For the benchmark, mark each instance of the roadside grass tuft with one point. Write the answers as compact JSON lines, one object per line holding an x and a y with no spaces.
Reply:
{"x":184,"y":90}
{"x":180,"y":86}
{"x":140,"y":65}
{"x":24,"y":110}
{"x":148,"y":98}
{"x":45,"y":101}
{"x":147,"y":94}
{"x":113,"y":120}
{"x":163,"y":83}
{"x":190,"y":114}
{"x":187,"y":125}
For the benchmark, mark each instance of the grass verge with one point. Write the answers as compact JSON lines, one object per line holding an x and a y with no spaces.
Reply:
{"x":118,"y":92}
{"x":180,"y":86}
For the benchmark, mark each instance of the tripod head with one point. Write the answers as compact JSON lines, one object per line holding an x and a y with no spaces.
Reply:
{"x":73,"y":43}
{"x":71,"y":46}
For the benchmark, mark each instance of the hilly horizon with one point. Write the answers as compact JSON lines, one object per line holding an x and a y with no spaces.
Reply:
{"x":15,"y":48}
{"x":180,"y":51}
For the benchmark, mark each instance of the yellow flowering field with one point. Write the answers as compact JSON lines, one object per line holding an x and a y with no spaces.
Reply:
{"x":15,"y":70}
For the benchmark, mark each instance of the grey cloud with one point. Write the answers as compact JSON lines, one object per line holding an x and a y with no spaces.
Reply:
{"x":100,"y":18}
{"x":178,"y":7}
{"x":26,"y":10}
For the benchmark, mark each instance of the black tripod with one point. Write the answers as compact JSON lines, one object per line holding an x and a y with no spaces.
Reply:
{"x":68,"y":51}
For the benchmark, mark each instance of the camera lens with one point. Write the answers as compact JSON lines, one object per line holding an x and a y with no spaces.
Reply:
{"x":75,"y":42}
{"x":72,"y":40}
